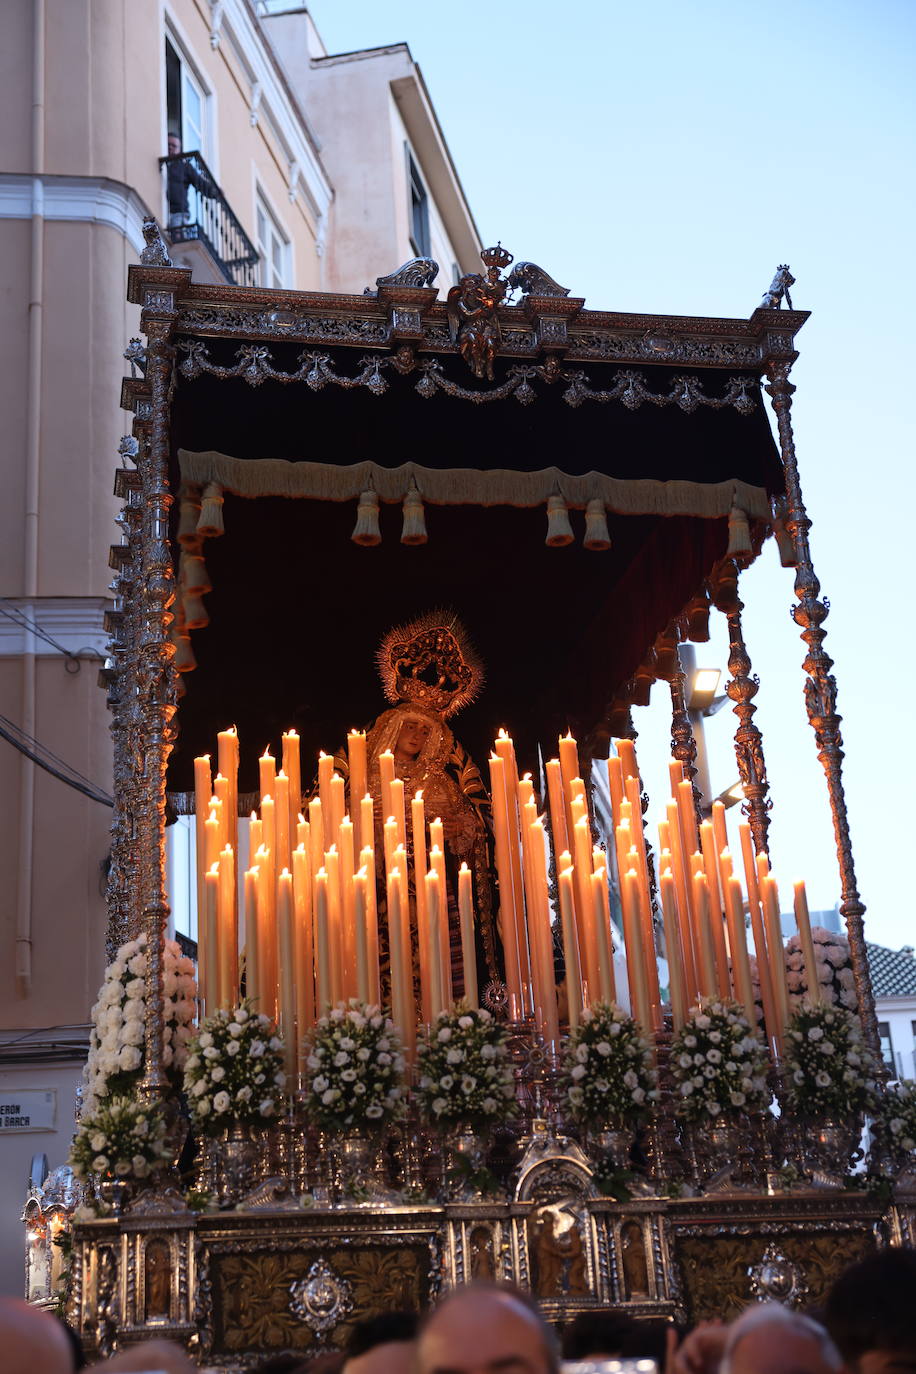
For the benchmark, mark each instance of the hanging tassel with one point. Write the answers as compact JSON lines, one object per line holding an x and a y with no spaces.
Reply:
{"x":210,"y":523}
{"x":739,"y":536}
{"x":366,"y":530}
{"x":188,"y":514}
{"x":698,"y":618}
{"x":666,"y":656}
{"x":559,"y":530}
{"x":414,"y":531}
{"x":195,"y":614}
{"x":184,"y":660}
{"x":784,"y":541}
{"x":597,"y":535}
{"x":192,"y":573}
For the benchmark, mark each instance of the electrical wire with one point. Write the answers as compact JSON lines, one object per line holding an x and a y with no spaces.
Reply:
{"x":22,"y":621}
{"x":50,"y":762}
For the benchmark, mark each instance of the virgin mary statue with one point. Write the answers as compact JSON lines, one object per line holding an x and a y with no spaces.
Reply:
{"x":429,"y":671}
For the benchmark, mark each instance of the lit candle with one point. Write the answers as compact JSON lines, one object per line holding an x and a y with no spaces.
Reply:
{"x":366,"y":821}
{"x":676,"y":984}
{"x":615,"y":784}
{"x":293,"y":770}
{"x":466,"y":915}
{"x":636,"y":968}
{"x":437,"y":865}
{"x":348,"y":930}
{"x":323,"y":942}
{"x":737,"y":933}
{"x":626,"y":752}
{"x":386,"y":778}
{"x":359,"y":782}
{"x":770,"y":894}
{"x":390,"y":830}
{"x":557,"y":806}
{"x":720,"y":834}
{"x":505,"y":750}
{"x":583,"y":872}
{"x":228,"y":933}
{"x":305,"y":952}
{"x":363,"y":990}
{"x":711,"y":869}
{"x":211,"y":920}
{"x":252,"y":950}
{"x":255,"y":833}
{"x":316,"y":835}
{"x":770,"y":1014}
{"x":544,"y":944}
{"x":602,"y":918}
{"x":570,"y":946}
{"x":645,"y":900}
{"x":803,"y":922}
{"x":338,"y":801}
{"x":418,"y":830}
{"x":507,"y":911}
{"x":221,"y":793}
{"x":303,"y":833}
{"x":398,"y":810}
{"x":396,"y":952}
{"x":267,"y":930}
{"x":707,"y":963}
{"x":227,"y":754}
{"x":335,"y":921}
{"x":433,"y":896}
{"x":287,"y":973}
{"x":281,"y":815}
{"x":212,"y":834}
{"x":325,"y":773}
{"x":267,"y":773}
{"x":568,"y":751}
{"x":367,"y":863}
{"x":678,"y":868}
{"x":203,"y":790}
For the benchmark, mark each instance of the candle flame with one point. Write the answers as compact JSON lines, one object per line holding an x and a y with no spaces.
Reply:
{"x":502,"y":733}
{"x":569,"y":735}
{"x":362,"y":875}
{"x":219,"y":778}
{"x":267,"y":754}
{"x":253,"y":816}
{"x":300,"y":849}
{"x":418,"y":795}
{"x":286,"y":874}
{"x":435,"y":850}
{"x":266,"y":799}
{"x":321,"y":875}
{"x":282,"y":775}
{"x":301,"y":818}
{"x":464,"y":868}
{"x":227,"y":849}
{"x":287,"y":734}
{"x":213,"y":871}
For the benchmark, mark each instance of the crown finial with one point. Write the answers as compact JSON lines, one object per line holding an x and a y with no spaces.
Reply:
{"x":496,"y":257}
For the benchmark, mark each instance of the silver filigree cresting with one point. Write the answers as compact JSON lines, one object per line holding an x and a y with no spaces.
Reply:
{"x":254,"y":364}
{"x":322,"y":1299}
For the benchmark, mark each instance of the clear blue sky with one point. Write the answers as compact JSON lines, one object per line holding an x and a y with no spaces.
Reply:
{"x":664,"y":158}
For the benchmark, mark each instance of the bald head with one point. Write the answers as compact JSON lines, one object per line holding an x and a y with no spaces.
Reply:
{"x":32,"y":1340}
{"x":771,"y":1339}
{"x":486,"y":1329}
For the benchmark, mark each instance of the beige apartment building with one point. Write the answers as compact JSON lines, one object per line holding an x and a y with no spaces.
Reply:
{"x":295,"y":169}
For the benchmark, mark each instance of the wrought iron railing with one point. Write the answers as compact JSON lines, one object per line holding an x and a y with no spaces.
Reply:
{"x":198,"y":211}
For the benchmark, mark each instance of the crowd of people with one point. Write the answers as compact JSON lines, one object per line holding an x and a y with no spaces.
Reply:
{"x":867,"y":1325}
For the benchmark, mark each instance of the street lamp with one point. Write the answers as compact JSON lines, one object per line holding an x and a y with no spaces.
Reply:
{"x":700,"y":696}
{"x":732,"y":795}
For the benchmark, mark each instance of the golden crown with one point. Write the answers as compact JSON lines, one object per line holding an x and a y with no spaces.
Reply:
{"x":496,"y":257}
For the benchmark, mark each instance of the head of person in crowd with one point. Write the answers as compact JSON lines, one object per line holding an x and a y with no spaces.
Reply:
{"x":871,"y":1313}
{"x":771,"y":1339}
{"x":486,"y":1328}
{"x":382,"y":1344}
{"x":32,"y":1340}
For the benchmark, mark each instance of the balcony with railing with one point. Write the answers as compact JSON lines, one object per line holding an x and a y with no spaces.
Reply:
{"x":199,"y":214}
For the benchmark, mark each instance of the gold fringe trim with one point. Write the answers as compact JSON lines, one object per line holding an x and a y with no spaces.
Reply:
{"x":469,"y":486}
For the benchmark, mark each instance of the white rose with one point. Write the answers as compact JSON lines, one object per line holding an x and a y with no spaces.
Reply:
{"x":267,"y":1107}
{"x":205,"y":1039}
{"x":444,"y":1035}
{"x":465,"y":1022}
{"x":233,"y":1048}
{"x":235,"y":1030}
{"x":243,"y":1094}
{"x":199,"y":1088}
{"x":577,"y":1072}
{"x":603,"y":1048}
{"x":256,"y":1049}
{"x":217,"y":1073}
{"x":100,"y":1164}
{"x":221,"y":1102}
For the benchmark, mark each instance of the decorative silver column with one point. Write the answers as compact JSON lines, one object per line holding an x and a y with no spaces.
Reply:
{"x":809,"y":613}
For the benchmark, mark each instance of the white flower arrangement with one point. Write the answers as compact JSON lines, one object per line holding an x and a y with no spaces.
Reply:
{"x":830,"y":1071}
{"x":356,"y":1068}
{"x":464,"y":1073}
{"x":718,"y":1063}
{"x":121,"y":1138}
{"x":116,"y":1042}
{"x":833,"y":969}
{"x":896,"y":1121}
{"x":234,"y":1070}
{"x":610,"y":1075}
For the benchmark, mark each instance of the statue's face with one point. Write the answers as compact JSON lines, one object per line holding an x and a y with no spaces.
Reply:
{"x":413,"y":735}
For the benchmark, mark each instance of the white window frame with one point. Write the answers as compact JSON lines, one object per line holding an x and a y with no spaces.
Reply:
{"x":266,"y":218}
{"x":194,"y":69}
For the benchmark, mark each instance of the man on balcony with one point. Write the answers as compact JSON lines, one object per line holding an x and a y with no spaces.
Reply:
{"x":180,"y":174}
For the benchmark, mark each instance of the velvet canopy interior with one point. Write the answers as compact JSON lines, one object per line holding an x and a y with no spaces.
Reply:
{"x":297,"y":609}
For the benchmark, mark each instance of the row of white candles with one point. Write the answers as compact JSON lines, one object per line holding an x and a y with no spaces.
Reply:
{"x":310,"y":905}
